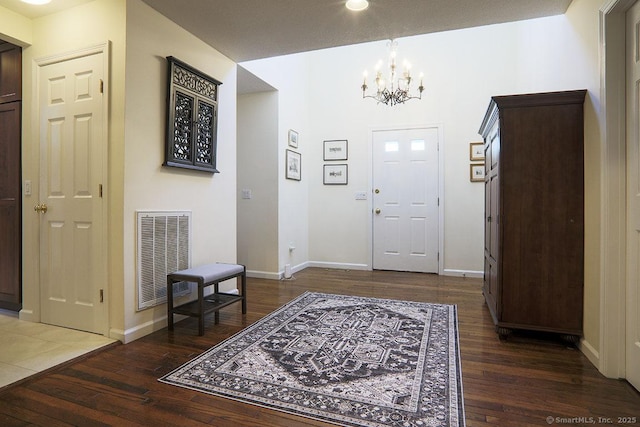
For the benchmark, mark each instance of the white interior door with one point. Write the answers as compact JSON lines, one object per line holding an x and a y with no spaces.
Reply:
{"x":633,"y":198}
{"x":405,"y":200}
{"x":72,"y":261}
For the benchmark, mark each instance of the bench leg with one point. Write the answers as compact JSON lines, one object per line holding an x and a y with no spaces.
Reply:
{"x":216,"y":314}
{"x":170,"y":304}
{"x":200,"y":309}
{"x":243,"y":285}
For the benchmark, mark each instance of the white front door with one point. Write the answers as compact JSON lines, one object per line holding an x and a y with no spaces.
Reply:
{"x":72,"y":148}
{"x":405,"y":200}
{"x":633,"y":198}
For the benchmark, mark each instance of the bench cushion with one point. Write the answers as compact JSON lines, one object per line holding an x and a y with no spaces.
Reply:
{"x":207,"y":273}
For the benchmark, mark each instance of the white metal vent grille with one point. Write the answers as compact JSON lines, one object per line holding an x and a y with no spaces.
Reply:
{"x":164,"y":246}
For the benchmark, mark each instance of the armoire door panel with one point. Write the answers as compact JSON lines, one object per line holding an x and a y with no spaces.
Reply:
{"x":10,"y":73}
{"x":10,"y":207}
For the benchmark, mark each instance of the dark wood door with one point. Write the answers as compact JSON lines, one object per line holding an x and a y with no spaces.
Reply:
{"x":10,"y":207}
{"x":10,"y":177}
{"x":10,"y":72}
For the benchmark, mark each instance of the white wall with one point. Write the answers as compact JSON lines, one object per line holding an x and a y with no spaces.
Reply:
{"x":258,"y":172}
{"x":289,"y":76}
{"x":150,"y":186}
{"x":15,"y":28}
{"x":450,"y":100}
{"x":463,"y":69}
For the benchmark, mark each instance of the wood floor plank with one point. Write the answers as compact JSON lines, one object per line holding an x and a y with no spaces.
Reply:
{"x":515,"y":382}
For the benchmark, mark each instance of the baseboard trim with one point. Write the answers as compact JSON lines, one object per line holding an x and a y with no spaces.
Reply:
{"x":294,"y":270}
{"x":263,"y":275}
{"x":139,"y":331}
{"x":592,"y":354}
{"x":339,"y":265}
{"x":348,"y":266}
{"x":463,"y":273}
{"x":28,"y":315}
{"x":270,"y":275}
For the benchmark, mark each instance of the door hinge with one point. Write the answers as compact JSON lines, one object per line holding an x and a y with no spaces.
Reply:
{"x":101,"y":295}
{"x":100,"y":190}
{"x":101,"y":86}
{"x":438,"y":256}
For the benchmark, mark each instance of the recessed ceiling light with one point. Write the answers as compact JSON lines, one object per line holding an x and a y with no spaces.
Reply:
{"x":357,"y":5}
{"x":36,"y":1}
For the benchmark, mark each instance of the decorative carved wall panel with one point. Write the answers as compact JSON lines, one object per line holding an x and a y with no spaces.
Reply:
{"x":192,"y":118}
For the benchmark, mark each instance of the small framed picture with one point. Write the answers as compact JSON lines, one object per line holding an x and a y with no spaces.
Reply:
{"x":476,"y":151}
{"x":476,"y":172}
{"x":293,"y":165}
{"x":293,"y":138}
{"x":335,"y":149}
{"x":335,"y":175}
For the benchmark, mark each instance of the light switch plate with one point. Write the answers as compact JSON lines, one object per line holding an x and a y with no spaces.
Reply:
{"x":361,"y":195}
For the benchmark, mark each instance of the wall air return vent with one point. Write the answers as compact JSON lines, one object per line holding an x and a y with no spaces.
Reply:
{"x":163,"y":246}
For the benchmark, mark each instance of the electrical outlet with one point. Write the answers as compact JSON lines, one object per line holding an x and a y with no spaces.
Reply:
{"x":246,"y":194}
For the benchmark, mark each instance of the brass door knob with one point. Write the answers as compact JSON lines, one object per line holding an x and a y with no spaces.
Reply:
{"x":41,"y":208}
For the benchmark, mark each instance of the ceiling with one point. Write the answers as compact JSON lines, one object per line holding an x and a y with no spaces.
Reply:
{"x":31,"y":11}
{"x":252,"y":29}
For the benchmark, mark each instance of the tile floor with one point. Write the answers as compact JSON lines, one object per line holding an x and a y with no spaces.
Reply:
{"x":27,"y":348}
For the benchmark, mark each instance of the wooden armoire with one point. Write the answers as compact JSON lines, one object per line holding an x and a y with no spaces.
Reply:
{"x":534,"y":212}
{"x":10,"y":177}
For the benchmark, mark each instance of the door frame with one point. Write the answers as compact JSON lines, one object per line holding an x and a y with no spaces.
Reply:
{"x":610,"y":359}
{"x":370,"y":132}
{"x":103,"y":48}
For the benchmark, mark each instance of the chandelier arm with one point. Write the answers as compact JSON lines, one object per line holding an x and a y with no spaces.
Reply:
{"x":391,"y":98}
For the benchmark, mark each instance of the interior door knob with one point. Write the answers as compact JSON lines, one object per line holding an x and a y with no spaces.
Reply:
{"x":377,"y":211}
{"x":41,"y":208}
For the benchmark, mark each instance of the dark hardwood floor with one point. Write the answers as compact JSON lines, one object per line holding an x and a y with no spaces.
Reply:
{"x":518,"y":382}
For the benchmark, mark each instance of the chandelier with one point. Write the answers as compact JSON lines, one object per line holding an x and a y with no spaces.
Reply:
{"x":396,"y":89}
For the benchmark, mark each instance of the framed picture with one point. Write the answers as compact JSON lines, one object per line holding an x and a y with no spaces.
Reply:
{"x":476,"y":151}
{"x":293,"y":138}
{"x":335,"y":149}
{"x":476,"y":172}
{"x":293,"y":165}
{"x":335,"y":175}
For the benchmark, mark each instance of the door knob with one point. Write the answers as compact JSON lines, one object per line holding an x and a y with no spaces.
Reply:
{"x":377,"y":211}
{"x":42,"y":208}
{"x":377,"y":191}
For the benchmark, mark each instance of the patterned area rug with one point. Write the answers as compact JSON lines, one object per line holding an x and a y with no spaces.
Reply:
{"x":347,"y":360}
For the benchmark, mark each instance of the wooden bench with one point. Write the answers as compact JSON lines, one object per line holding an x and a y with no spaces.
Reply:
{"x":205,"y":276}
